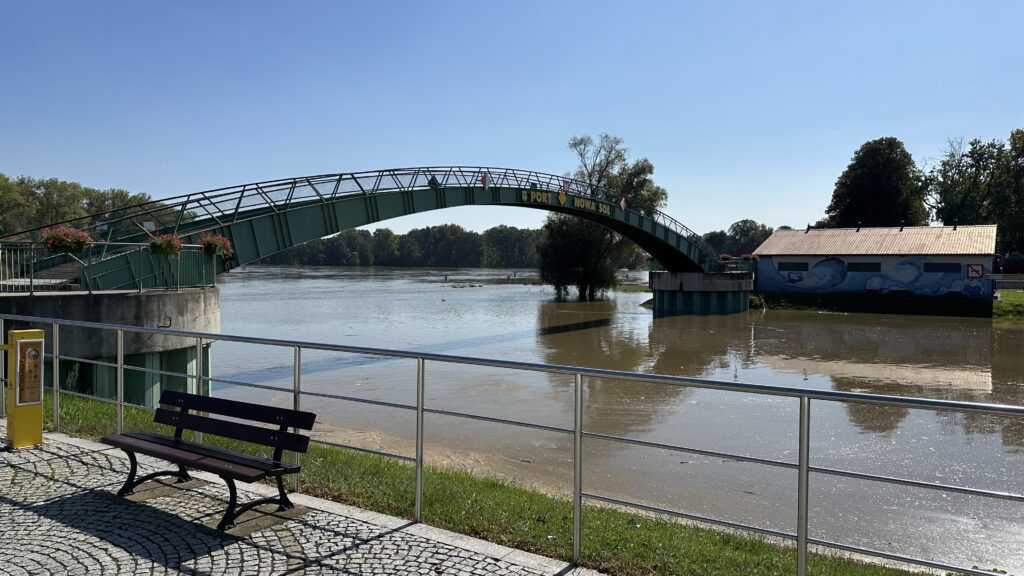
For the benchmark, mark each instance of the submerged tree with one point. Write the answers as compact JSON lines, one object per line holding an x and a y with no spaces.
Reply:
{"x":582,"y":254}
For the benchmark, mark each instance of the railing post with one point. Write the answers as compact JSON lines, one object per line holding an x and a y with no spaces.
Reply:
{"x":200,"y":389}
{"x":120,"y":381}
{"x":177,"y":274}
{"x":3,"y":373}
{"x":31,"y":269}
{"x":296,"y":399}
{"x":577,"y":469}
{"x":420,"y":385}
{"x":802,"y":486}
{"x":55,"y":352}
{"x":85,"y":277}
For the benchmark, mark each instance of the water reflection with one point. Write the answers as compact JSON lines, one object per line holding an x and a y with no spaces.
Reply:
{"x":945,"y":358}
{"x":597,"y":335}
{"x":954,"y":359}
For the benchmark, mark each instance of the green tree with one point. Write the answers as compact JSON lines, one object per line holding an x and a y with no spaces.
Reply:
{"x":717,"y":239}
{"x":385,"y":247}
{"x":409,"y":251}
{"x":16,"y":209}
{"x":509,"y":247}
{"x":745,"y":236}
{"x":574,"y":252}
{"x":55,"y":200}
{"x":982,"y":183}
{"x":582,"y":254}
{"x":881,"y":187}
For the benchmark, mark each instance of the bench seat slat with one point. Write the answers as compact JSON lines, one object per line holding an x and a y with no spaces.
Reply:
{"x":233,"y":430}
{"x":238,"y":409}
{"x":186,"y":458}
{"x":272,"y":467}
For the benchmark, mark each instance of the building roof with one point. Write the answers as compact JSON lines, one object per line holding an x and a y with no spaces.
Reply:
{"x":910,"y":240}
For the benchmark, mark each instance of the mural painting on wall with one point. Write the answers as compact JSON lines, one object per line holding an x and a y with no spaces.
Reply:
{"x":907,"y":275}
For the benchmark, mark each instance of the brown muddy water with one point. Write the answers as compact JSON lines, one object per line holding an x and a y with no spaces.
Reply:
{"x":485,"y":313}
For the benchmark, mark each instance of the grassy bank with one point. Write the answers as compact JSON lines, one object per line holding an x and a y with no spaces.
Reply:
{"x":1009,"y":305}
{"x":616,"y":542}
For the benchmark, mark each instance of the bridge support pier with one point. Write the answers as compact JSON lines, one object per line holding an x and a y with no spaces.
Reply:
{"x":193,"y":310}
{"x":699,"y":293}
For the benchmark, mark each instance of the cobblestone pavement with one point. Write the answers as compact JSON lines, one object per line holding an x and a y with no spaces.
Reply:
{"x":59,"y":515}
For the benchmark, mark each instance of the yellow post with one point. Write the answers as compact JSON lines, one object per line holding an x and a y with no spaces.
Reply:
{"x":25,"y":388}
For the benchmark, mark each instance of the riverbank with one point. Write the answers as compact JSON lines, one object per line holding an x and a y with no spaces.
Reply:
{"x":1009,"y":305}
{"x":615,"y":541}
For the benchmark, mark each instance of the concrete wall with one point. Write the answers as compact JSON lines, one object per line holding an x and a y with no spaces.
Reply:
{"x":193,"y":310}
{"x":696,"y":293}
{"x":701,"y":282}
{"x":897,"y":274}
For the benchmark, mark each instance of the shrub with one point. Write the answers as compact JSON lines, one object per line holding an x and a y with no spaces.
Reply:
{"x":725,"y":257}
{"x":214,"y":243}
{"x":165,"y":244}
{"x":61,"y":239}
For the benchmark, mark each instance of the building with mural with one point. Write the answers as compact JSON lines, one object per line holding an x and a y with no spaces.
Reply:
{"x":917,"y":260}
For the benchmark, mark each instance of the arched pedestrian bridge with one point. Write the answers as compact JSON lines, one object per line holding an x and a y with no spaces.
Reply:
{"x":266,"y":217}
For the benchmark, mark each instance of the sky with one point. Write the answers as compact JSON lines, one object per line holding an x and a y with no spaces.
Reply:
{"x":746,"y":109}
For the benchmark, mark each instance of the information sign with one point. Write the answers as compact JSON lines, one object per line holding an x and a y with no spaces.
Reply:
{"x":29,"y":372}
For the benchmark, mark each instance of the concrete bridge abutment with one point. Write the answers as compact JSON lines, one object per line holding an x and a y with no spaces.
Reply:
{"x":701,"y":293}
{"x":194,"y":310}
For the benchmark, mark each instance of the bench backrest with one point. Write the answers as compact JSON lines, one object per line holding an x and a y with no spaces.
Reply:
{"x":280,"y":439}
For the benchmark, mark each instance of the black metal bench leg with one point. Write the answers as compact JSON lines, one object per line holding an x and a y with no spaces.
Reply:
{"x":229,"y":515}
{"x":183,"y":475}
{"x":133,"y":480}
{"x":129,"y":484}
{"x":284,"y":503}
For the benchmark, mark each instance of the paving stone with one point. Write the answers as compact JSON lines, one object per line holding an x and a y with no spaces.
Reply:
{"x":60,"y":515}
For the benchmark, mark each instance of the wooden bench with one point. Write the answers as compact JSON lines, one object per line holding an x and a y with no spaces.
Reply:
{"x":227,"y":464}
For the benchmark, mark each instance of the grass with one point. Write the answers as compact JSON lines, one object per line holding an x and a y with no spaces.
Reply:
{"x":614,"y":541}
{"x":1009,"y":305}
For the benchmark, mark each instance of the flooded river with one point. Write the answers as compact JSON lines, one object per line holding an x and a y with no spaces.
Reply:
{"x":492,"y":315}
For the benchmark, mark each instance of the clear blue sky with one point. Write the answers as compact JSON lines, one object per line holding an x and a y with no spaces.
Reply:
{"x":747,"y":109}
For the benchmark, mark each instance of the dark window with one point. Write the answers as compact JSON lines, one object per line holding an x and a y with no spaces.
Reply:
{"x":792,"y":266}
{"x":942,"y":267}
{"x":863,"y":267}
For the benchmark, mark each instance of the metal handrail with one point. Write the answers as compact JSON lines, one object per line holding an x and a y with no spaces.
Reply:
{"x":225,"y":204}
{"x":802,"y":466}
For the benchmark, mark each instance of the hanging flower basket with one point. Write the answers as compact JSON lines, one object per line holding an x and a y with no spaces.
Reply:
{"x":214,"y":243}
{"x":61,"y":240}
{"x":165,"y":245}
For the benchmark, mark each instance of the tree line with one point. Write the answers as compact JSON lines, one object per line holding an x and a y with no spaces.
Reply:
{"x":27,"y":202}
{"x":444,"y":246}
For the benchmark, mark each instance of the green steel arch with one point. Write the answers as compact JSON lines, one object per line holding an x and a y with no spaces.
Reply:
{"x":266,"y":217}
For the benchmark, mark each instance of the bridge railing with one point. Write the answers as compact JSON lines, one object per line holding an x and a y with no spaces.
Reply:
{"x":227,"y":205}
{"x":579,"y":429}
{"x":27,"y":267}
